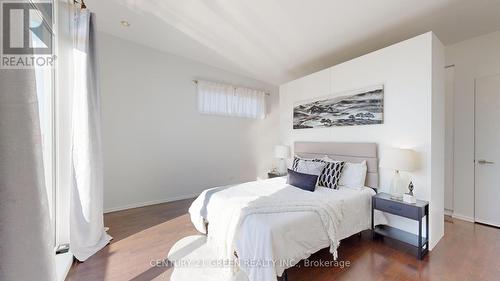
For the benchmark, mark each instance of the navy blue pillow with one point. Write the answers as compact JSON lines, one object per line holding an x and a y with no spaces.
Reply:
{"x":302,"y":181}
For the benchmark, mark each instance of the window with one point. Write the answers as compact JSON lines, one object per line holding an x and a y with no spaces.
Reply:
{"x":44,"y":81}
{"x":227,"y":100}
{"x":44,"y":91}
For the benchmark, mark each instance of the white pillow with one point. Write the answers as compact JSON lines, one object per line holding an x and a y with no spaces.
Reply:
{"x":353,"y":175}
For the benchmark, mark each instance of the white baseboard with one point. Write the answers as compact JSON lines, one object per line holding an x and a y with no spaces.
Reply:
{"x":487,"y":222}
{"x":63,"y":265}
{"x":148,"y":203}
{"x":448,"y":212}
{"x":462,"y":217}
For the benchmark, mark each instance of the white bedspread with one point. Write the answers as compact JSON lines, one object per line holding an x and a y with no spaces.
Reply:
{"x":272,"y":225}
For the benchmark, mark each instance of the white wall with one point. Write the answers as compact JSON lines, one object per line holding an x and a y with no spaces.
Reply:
{"x":449,"y":140}
{"x":410,"y":71}
{"x":157,"y":147}
{"x":473,"y":58}
{"x":438,"y":138}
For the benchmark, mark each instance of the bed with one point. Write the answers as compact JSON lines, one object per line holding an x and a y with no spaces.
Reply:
{"x":267,"y":226}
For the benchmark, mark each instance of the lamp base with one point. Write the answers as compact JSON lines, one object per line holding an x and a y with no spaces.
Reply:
{"x":281,"y":166}
{"x":397,"y":187}
{"x":409,"y":198}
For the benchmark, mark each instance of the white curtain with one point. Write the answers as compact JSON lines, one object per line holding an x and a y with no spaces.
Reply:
{"x":26,"y":237}
{"x":228,"y":100}
{"x":87,"y":234}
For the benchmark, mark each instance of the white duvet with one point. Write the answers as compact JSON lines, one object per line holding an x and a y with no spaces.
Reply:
{"x":272,"y":225}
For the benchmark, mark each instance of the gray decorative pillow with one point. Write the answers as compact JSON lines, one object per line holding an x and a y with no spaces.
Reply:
{"x":310,"y":166}
{"x":330,"y":175}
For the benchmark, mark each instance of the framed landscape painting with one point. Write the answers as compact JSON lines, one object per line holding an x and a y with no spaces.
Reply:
{"x":359,"y":107}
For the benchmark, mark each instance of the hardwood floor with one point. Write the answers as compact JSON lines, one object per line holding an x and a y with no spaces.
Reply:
{"x":467,"y":252}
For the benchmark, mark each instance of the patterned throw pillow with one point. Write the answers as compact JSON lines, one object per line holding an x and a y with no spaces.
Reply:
{"x":308,"y":166}
{"x":295,"y":162}
{"x":331,"y":174}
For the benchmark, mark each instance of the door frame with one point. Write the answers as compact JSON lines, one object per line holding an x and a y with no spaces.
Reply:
{"x":450,"y":101}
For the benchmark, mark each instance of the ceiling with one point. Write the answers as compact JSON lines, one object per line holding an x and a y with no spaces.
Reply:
{"x":279,"y":40}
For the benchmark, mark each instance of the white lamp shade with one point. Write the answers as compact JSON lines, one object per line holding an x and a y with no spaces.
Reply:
{"x":399,"y":159}
{"x":281,"y":151}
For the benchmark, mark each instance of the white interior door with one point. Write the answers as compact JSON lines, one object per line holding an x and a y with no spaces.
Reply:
{"x":487,"y":150}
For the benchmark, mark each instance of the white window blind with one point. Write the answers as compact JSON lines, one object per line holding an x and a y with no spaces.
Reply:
{"x":228,"y":100}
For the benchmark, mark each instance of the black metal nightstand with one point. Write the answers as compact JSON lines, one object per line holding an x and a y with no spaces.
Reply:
{"x":275,"y":175}
{"x":383,"y":202}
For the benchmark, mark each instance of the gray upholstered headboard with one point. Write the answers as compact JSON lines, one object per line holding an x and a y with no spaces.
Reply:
{"x":344,"y":151}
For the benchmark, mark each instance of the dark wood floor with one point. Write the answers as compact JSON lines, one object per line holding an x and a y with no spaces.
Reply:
{"x":467,"y":252}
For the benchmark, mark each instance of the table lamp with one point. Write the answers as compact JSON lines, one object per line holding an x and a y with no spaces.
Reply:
{"x":398,"y":159}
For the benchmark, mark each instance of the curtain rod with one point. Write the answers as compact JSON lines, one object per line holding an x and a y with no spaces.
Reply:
{"x":267,"y":94}
{"x":82,"y":4}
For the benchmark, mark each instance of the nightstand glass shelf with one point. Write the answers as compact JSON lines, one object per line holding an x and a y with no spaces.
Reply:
{"x":398,"y":234}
